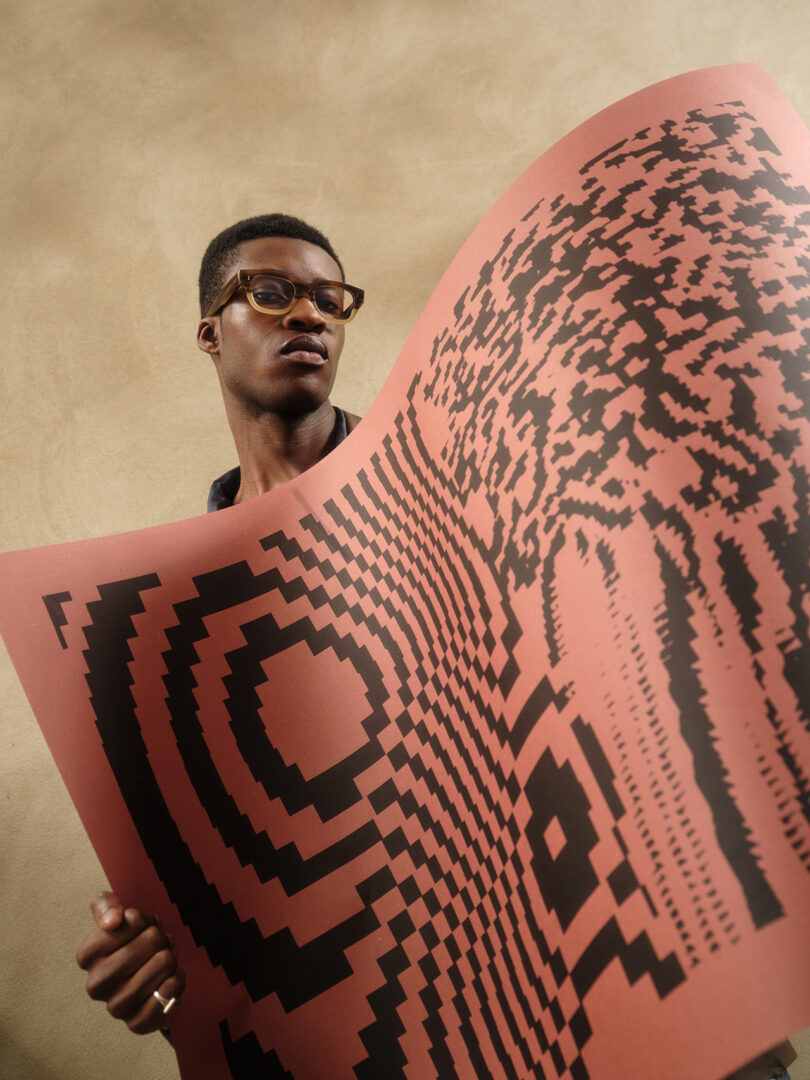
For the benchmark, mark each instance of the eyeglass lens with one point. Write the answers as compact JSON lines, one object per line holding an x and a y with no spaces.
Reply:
{"x":276,"y":294}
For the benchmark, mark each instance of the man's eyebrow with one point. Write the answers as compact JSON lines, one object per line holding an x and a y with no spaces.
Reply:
{"x":287,"y":273}
{"x":292,"y":277}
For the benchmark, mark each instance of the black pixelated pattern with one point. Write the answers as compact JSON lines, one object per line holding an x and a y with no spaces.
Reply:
{"x":487,"y":701}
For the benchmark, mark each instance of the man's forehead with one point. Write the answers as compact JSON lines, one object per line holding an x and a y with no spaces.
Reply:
{"x":298,"y":257}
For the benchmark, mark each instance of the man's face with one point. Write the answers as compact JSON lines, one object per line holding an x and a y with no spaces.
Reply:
{"x":276,"y":363}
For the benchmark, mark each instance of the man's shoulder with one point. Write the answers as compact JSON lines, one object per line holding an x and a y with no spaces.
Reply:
{"x":223,"y":490}
{"x":351,"y":421}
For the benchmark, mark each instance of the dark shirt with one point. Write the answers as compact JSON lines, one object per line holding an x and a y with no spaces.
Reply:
{"x":223,"y":490}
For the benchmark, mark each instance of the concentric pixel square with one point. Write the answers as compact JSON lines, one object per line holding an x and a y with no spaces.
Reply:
{"x":481,"y":750}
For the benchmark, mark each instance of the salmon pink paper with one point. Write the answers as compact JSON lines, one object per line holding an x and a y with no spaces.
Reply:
{"x":481,"y":750}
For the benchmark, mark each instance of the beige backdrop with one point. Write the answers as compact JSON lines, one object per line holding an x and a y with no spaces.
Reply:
{"x":135,"y":131}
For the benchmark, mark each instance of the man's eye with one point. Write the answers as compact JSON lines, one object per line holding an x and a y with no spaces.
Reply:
{"x":269,"y":297}
{"x":330,"y":302}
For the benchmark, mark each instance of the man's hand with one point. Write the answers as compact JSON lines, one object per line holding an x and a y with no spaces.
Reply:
{"x":127,"y":957}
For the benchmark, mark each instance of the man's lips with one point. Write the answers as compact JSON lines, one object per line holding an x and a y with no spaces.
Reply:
{"x":306,"y":349}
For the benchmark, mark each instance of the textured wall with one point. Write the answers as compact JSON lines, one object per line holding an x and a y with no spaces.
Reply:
{"x":132,"y":134}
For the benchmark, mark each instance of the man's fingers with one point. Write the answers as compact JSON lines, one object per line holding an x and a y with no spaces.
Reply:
{"x":130,"y":997}
{"x":101,"y":943}
{"x":151,"y":1016}
{"x":126,"y":969}
{"x":108,"y":911}
{"x":127,"y":958}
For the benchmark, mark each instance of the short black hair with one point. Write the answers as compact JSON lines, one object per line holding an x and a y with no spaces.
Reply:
{"x":219,"y":255}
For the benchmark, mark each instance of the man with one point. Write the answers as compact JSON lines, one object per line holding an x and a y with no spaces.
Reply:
{"x":276,"y":355}
{"x":275,"y":340}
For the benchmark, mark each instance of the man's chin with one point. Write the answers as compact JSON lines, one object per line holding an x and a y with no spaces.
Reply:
{"x":295,"y":404}
{"x":282,"y":397}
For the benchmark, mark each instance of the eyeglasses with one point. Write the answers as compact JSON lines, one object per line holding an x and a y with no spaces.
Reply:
{"x":276,"y":294}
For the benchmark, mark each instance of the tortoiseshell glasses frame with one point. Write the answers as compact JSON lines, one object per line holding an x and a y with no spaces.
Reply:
{"x":335,"y":300}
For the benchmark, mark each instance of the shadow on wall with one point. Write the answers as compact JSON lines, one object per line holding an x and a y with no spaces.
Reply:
{"x":16,"y":1064}
{"x":800,"y":1069}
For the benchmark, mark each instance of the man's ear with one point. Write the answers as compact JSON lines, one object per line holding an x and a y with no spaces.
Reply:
{"x":208,"y":335}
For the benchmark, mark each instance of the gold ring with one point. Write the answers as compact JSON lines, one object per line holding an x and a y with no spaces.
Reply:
{"x":165,"y":1003}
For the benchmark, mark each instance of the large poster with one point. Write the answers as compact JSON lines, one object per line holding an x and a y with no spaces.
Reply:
{"x":481,"y":749}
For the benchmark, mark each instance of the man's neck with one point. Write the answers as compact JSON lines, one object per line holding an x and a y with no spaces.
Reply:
{"x":275,"y":447}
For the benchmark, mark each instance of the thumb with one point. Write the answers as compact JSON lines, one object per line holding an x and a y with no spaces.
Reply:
{"x":108,"y":911}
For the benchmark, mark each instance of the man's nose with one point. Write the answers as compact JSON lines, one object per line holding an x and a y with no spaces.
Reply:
{"x":303,"y":313}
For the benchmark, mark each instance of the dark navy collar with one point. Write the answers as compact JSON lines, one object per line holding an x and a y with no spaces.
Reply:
{"x":223,"y":490}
